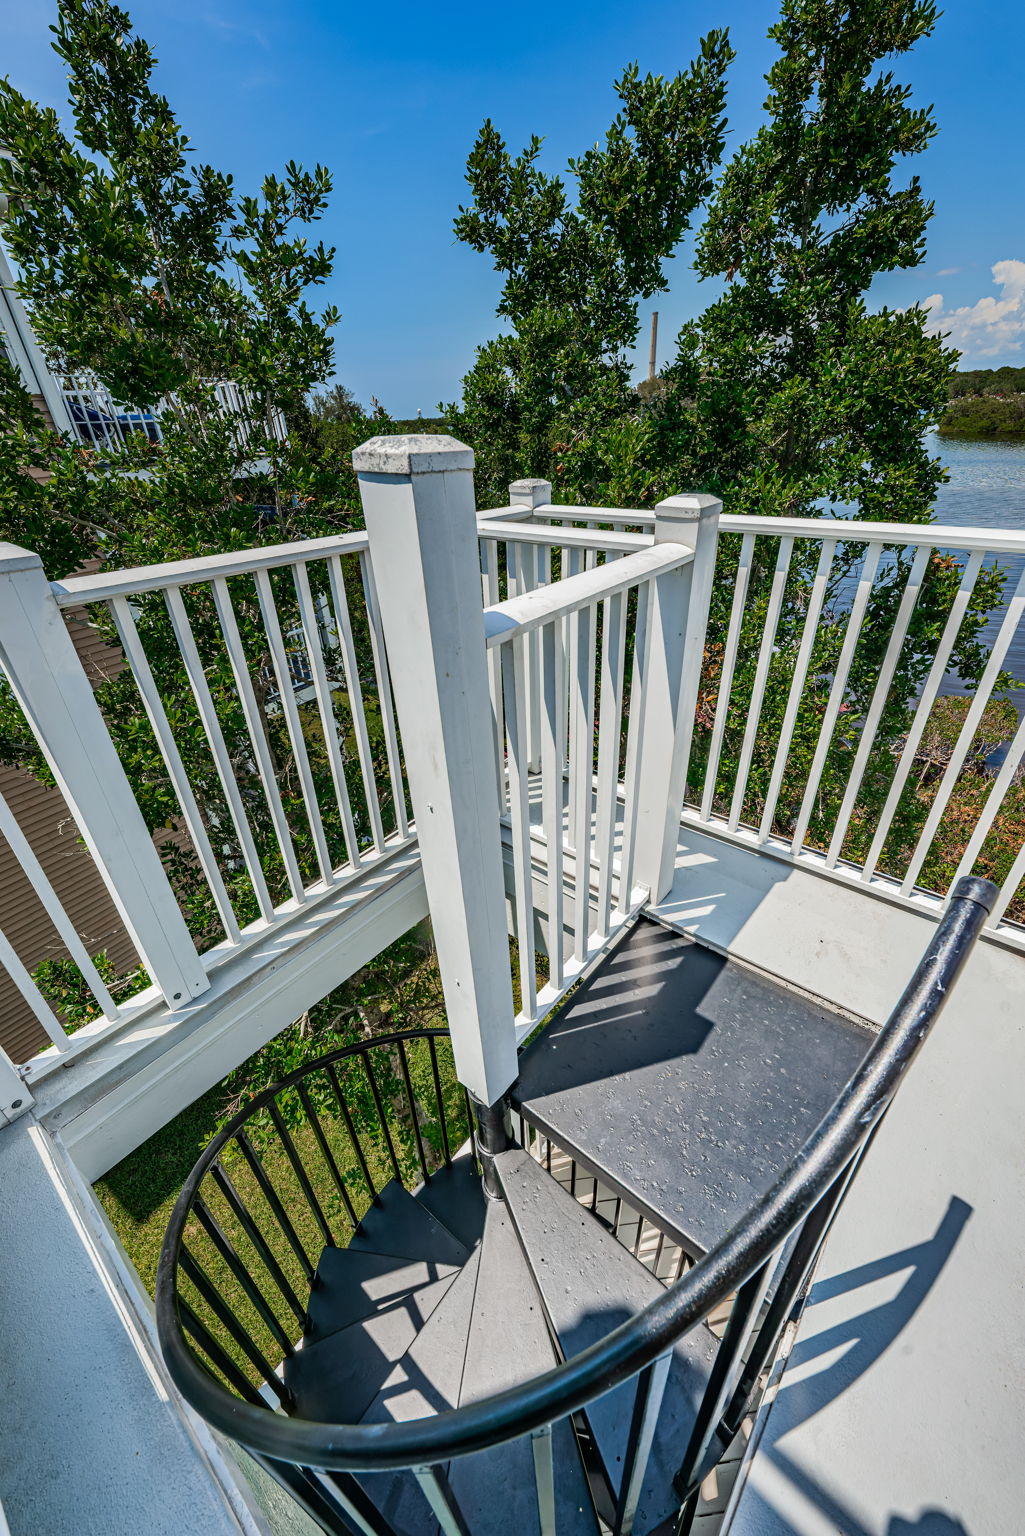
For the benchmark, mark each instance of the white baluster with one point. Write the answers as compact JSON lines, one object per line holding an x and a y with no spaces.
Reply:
{"x":57,"y":699}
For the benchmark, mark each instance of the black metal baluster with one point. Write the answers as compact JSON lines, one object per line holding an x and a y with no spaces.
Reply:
{"x":381,"y":1117}
{"x":658,"y":1254}
{"x":335,"y":1500}
{"x":437,"y":1490}
{"x":299,"y":1169}
{"x":594,"y":1194}
{"x":796,"y":1270}
{"x":573,"y":1177}
{"x":742,"y":1315}
{"x":640,"y":1234}
{"x":617,"y":1213}
{"x":548,"y":1154}
{"x":439,"y":1100}
{"x":357,"y":1146}
{"x":257,"y":1299}
{"x":681,"y":1265}
{"x":191,"y":1267}
{"x":544,"y":1478}
{"x":224,"y":1363}
{"x":270,"y":1194}
{"x":651,"y":1384}
{"x":408,"y":1084}
{"x":327,"y":1154}
{"x":259,"y":1242}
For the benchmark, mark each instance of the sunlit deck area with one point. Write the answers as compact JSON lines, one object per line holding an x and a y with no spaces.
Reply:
{"x":651,"y":749}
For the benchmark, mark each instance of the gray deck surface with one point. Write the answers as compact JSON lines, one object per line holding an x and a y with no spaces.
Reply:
{"x":685,"y":1079}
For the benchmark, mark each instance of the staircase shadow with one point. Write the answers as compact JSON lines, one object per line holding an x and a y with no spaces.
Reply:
{"x":851,"y":1347}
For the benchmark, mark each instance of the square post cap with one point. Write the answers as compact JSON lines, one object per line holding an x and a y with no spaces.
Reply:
{"x":414,"y":453}
{"x":682,"y":518}
{"x":530,"y":493}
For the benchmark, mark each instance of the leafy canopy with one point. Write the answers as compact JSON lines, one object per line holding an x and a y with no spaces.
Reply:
{"x":575,"y":266}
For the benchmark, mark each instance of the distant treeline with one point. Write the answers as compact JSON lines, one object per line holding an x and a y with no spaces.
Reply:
{"x":986,"y":402}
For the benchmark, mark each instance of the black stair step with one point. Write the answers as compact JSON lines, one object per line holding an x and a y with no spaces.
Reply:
{"x":351,"y":1285}
{"x":509,"y":1343}
{"x":336,"y":1379}
{"x":424,"y":1382}
{"x":401,"y":1225}
{"x":684,"y":1081}
{"x":455,"y":1197}
{"x":590,"y":1284}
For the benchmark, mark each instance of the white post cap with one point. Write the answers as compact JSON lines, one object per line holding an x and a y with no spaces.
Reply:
{"x":415,"y":453}
{"x":530,"y":493}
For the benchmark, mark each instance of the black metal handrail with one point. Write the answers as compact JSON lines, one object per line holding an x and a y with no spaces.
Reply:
{"x":799,"y":1206}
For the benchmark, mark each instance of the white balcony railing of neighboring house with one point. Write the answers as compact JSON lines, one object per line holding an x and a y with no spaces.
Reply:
{"x":612,"y":715}
{"x":106,"y":425}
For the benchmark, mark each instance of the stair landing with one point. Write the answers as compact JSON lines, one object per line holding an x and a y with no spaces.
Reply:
{"x":670,"y":1062}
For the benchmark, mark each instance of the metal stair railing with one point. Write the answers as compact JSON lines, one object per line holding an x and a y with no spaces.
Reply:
{"x":769,"y":1253}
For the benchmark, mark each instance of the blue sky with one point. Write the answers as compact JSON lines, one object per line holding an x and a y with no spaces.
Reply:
{"x":391,"y":97}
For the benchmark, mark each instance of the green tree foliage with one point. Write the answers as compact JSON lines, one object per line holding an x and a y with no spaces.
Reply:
{"x":987,"y":381}
{"x":988,"y":416}
{"x":138,"y":263}
{"x":986,"y":402}
{"x":147,"y":270}
{"x":789,"y":394}
{"x":540,"y":396}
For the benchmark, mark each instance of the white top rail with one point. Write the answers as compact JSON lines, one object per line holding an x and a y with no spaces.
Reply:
{"x":597,"y":514}
{"x":564,"y":538}
{"x":932,"y":535}
{"x":520,"y":615}
{"x":180,"y":573}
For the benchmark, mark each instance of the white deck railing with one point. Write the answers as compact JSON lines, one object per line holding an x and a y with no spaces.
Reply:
{"x":773,"y":681}
{"x":200,"y":637}
{"x":800,"y":591}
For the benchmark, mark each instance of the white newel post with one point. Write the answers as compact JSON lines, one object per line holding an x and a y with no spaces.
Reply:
{"x":418,"y":502}
{"x":530,"y":494}
{"x":50,"y":684}
{"x":670,"y":664}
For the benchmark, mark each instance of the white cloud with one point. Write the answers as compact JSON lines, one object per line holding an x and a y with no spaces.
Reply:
{"x":948,"y":271}
{"x":991,"y":326}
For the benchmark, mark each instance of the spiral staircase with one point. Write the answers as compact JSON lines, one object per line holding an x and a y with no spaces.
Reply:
{"x":473,"y":1347}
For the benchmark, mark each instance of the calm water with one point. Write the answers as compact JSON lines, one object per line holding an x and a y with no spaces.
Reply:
{"x":986,"y":490}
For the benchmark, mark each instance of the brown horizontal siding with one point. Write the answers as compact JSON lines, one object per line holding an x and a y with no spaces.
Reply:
{"x":44,"y":818}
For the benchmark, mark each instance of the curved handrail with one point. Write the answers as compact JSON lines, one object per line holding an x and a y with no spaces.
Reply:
{"x":648,"y":1334}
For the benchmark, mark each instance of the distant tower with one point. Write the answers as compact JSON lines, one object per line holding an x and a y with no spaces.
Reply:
{"x":654,"y":344}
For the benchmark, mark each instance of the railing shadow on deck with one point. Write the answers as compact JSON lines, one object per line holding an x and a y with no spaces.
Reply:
{"x":863,"y":1339}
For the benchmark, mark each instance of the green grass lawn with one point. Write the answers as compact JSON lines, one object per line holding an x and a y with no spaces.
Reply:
{"x":138,"y":1195}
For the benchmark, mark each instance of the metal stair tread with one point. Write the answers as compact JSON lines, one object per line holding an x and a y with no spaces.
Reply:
{"x":425,"y":1381}
{"x":455,"y":1198}
{"x":509,"y":1343}
{"x":684,"y":1080}
{"x":400,"y":1225}
{"x":335,"y":1379}
{"x":590,"y":1284}
{"x":351,"y":1284}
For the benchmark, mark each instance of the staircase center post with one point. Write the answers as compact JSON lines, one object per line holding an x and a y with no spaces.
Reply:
{"x":418,"y":501}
